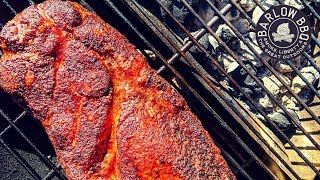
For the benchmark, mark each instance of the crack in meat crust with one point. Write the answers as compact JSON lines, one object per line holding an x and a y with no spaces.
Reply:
{"x":107,"y":113}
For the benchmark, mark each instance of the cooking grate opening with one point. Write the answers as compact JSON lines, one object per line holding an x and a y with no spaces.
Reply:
{"x":216,"y":94}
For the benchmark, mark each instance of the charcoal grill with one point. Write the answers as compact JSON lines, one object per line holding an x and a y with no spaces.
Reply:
{"x":254,"y":150}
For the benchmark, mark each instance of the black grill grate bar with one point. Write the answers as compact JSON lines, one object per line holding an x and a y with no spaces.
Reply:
{"x":86,"y":5}
{"x":311,"y":60}
{"x":14,"y":153}
{"x":41,"y":156}
{"x":250,"y":73}
{"x":315,"y":40}
{"x":31,"y":2}
{"x":311,"y":9}
{"x":200,"y":34}
{"x":260,"y":5}
{"x":238,"y":168}
{"x":14,"y":121}
{"x":21,"y":161}
{"x":240,"y":89}
{"x":227,"y":129}
{"x":208,"y":81}
{"x":51,"y":174}
{"x":10,"y":7}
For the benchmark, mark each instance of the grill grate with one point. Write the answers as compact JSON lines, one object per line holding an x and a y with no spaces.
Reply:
{"x":230,"y":123}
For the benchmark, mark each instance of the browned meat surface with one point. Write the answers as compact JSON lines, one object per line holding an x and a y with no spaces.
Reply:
{"x":107,"y":113}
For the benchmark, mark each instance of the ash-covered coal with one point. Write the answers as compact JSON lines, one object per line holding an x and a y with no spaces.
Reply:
{"x":245,"y":80}
{"x":281,"y":119}
{"x":204,"y":41}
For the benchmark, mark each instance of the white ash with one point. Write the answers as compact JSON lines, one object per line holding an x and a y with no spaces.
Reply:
{"x":257,"y":12}
{"x":265,"y":102}
{"x":251,"y":37}
{"x":150,"y":54}
{"x":310,"y":69}
{"x":283,"y":66}
{"x":282,"y":121}
{"x":290,"y":102}
{"x":214,"y":43}
{"x":232,"y":66}
{"x":311,"y":75}
{"x":259,"y":116}
{"x":295,"y":3}
{"x":247,"y":54}
{"x":228,"y":62}
{"x":273,"y":84}
{"x":248,"y":5}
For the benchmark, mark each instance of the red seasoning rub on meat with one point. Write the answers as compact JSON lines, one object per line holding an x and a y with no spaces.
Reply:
{"x":107,"y":113}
